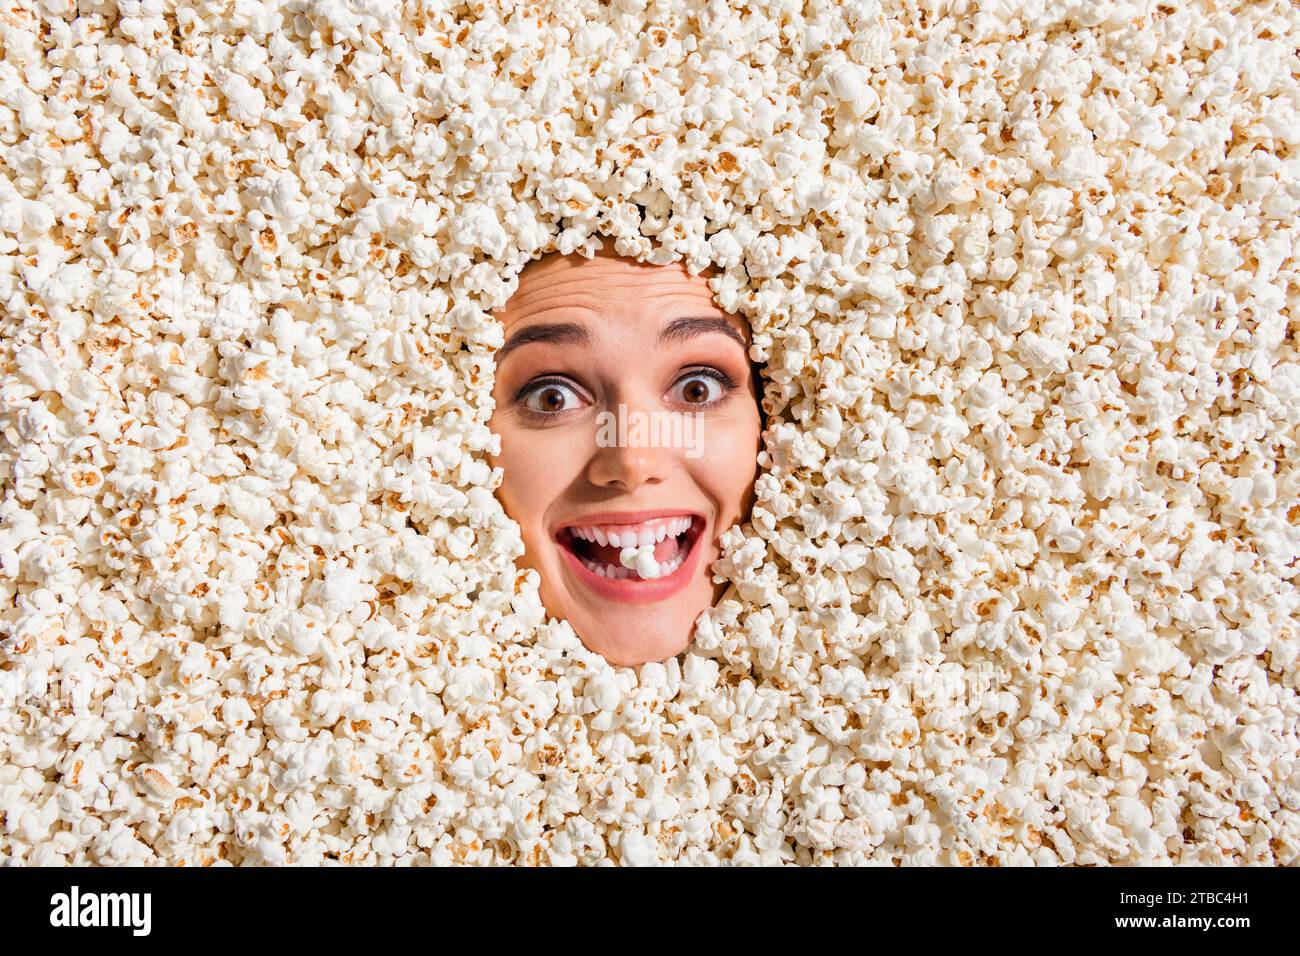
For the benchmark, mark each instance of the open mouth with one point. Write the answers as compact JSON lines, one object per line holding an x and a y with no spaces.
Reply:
{"x":642,"y":551}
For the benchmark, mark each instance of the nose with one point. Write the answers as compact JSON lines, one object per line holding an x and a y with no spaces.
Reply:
{"x":625,"y":456}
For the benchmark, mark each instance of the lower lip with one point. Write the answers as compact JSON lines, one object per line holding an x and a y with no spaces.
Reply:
{"x":635,"y":590}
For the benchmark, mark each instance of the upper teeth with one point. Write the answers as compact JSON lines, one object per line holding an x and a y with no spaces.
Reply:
{"x":633,"y":536}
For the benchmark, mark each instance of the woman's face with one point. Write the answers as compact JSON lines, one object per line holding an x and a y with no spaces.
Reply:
{"x":629,"y":436}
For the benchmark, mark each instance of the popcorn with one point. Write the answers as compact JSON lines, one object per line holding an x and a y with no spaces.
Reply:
{"x":641,"y":559}
{"x":1018,"y":585}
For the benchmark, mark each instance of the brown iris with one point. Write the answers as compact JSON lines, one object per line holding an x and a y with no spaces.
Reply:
{"x":552,"y":399}
{"x":696,"y":392}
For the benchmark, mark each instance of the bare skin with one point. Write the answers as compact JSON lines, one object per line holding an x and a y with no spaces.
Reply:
{"x":584,"y":337}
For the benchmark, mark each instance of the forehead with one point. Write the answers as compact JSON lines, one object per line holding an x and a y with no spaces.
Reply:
{"x":609,"y":287}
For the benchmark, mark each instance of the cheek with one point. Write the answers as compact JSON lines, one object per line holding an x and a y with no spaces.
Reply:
{"x":729,"y":464}
{"x":536,"y":465}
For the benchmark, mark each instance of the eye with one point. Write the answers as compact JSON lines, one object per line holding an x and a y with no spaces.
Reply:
{"x":549,"y":396}
{"x":702,"y":387}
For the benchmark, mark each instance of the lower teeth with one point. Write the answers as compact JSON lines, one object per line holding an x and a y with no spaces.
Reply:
{"x":617,"y":573}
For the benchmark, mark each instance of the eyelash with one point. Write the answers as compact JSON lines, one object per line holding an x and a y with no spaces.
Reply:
{"x":722,"y":378}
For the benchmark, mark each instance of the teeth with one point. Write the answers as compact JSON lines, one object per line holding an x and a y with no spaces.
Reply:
{"x":643,"y":537}
{"x":635,"y":561}
{"x":633,"y":537}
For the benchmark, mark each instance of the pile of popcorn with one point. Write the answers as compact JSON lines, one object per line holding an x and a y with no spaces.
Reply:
{"x":1020,"y":586}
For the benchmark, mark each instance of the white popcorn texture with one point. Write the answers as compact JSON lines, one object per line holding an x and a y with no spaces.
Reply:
{"x":1020,"y":584}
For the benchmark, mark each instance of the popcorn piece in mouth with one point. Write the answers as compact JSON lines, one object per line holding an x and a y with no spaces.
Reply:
{"x":642,"y":560}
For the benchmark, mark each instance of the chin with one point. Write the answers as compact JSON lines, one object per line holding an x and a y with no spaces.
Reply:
{"x":643,"y":642}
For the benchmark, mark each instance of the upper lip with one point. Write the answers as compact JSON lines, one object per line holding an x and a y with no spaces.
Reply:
{"x":626,"y":517}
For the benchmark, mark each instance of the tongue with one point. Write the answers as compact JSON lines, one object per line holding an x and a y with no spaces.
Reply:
{"x":664,"y":550}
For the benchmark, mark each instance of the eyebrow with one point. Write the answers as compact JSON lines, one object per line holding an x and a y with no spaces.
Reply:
{"x":679,"y":330}
{"x":571,"y":333}
{"x":554,"y":333}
